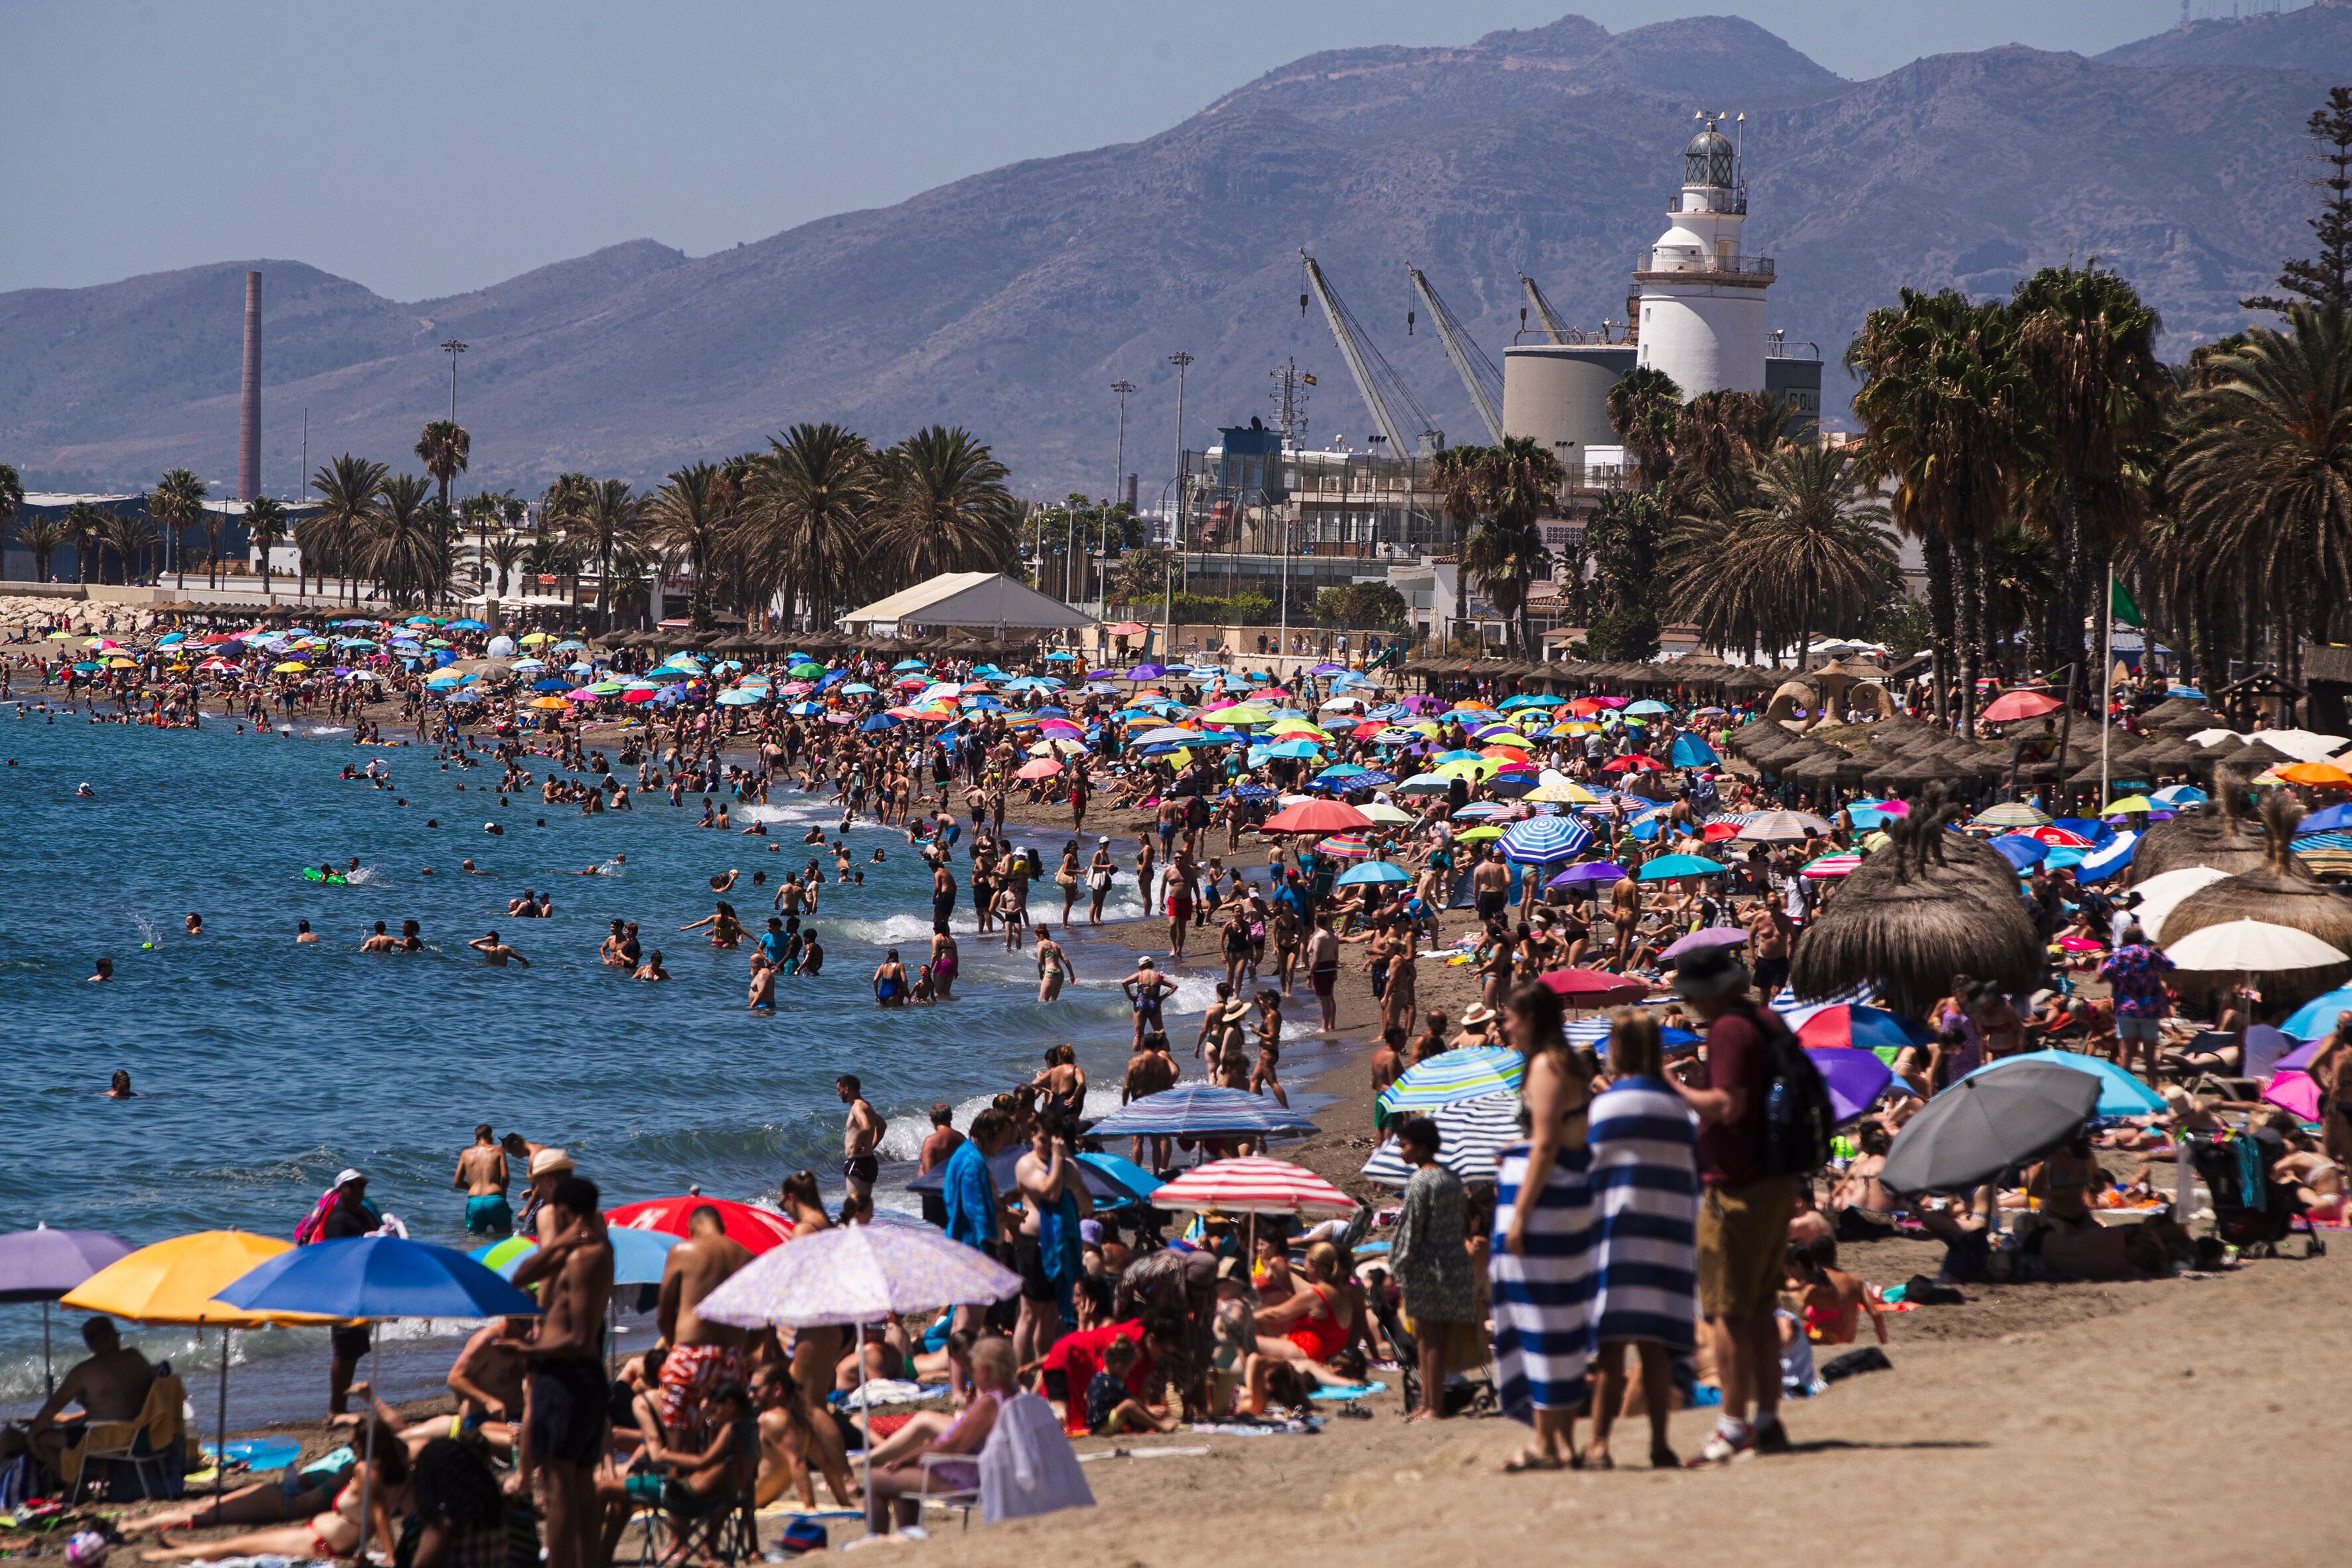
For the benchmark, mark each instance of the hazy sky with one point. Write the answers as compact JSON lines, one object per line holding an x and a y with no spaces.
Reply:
{"x":426,"y":148}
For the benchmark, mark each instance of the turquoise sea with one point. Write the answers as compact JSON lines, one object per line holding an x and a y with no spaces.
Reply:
{"x":263,"y":1066}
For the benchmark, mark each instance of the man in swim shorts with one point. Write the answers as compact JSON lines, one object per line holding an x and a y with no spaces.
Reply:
{"x":861,"y":1134}
{"x":483,"y":1176}
{"x":568,"y":1387}
{"x":1145,"y":989}
{"x":1323,"y":971}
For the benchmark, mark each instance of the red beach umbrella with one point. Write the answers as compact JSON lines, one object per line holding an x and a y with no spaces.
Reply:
{"x":756,"y":1228}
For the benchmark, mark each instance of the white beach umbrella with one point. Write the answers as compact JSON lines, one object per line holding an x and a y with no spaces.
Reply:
{"x":2251,"y":947}
{"x":2160,"y":895}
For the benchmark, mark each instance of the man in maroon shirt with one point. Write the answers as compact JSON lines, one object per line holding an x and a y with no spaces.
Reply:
{"x":1743,"y":1217}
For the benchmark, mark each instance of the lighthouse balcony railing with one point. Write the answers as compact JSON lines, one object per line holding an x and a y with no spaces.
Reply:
{"x":1713,"y":199}
{"x":1690,"y":258}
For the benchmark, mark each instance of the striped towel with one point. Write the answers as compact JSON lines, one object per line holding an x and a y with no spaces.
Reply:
{"x":1543,"y":1302}
{"x":1646,"y":1194}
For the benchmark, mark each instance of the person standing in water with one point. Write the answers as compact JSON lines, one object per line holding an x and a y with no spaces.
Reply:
{"x":483,"y":1176}
{"x":861,"y":1134}
{"x":1054,"y":965}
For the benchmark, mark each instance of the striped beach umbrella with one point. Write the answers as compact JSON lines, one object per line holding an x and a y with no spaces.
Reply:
{"x":1252,"y":1184}
{"x":1472,"y":1134}
{"x":2010,"y":814}
{"x":1199,"y":1109}
{"x":1830,"y":866}
{"x":1345,"y":847}
{"x":1468,"y":1073}
{"x":1545,"y":840}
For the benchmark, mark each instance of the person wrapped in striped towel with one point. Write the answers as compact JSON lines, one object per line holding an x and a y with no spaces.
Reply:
{"x":1540,"y":1266}
{"x":1644,"y":1179}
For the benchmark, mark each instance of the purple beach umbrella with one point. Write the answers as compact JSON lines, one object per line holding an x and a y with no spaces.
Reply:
{"x":1585,"y":875}
{"x":1855,"y":1079}
{"x":41,"y":1265}
{"x":1713,"y":936}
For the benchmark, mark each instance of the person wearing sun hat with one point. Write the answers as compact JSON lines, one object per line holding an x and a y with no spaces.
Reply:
{"x":549,"y":1165}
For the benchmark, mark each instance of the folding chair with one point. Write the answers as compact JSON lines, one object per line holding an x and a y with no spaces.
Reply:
{"x":134,"y":1443}
{"x":962,"y":1499}
{"x":727,"y":1532}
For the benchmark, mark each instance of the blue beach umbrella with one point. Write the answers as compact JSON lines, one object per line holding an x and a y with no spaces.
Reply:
{"x":639,"y":1257}
{"x":2120,"y":1094}
{"x":1667,"y":867}
{"x":1468,"y":1073}
{"x":2108,"y":858}
{"x":1545,"y":840}
{"x":1377,"y":872}
{"x":2021,"y":850}
{"x":1472,"y":1134}
{"x":1690,"y":752}
{"x":1199,"y":1109}
{"x":2316,"y":1017}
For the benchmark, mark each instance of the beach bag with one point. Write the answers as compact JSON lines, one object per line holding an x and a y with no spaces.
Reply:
{"x":1798,"y":1121}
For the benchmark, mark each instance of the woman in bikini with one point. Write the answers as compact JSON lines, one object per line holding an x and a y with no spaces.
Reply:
{"x":1100,"y":872}
{"x":725,"y":929}
{"x":1066,"y":879}
{"x":334,"y":1532}
{"x":944,"y":959}
{"x":1063,"y":1082}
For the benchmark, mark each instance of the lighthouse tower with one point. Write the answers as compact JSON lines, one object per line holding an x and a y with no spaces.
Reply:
{"x":1701,"y":306}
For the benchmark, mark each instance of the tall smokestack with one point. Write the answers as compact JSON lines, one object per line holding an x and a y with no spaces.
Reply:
{"x":248,"y":419}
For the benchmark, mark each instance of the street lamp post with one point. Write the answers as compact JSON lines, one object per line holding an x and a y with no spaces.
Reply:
{"x":453,"y":348}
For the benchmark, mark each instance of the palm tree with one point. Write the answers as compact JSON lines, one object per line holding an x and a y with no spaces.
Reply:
{"x":2087,"y":343}
{"x":684,"y":518}
{"x":177,"y":505}
{"x":1644,"y":407}
{"x":946,"y":508}
{"x":12,"y":497}
{"x":82,"y":525}
{"x":129,"y":536}
{"x":1455,"y":473}
{"x":550,"y":555}
{"x":401,"y":545}
{"x":482,"y":513}
{"x":1521,"y":481}
{"x":1817,"y":537}
{"x":608,"y":513}
{"x":505,"y":550}
{"x":41,"y":534}
{"x":1504,"y":556}
{"x":807,"y":505}
{"x":349,"y":490}
{"x":2262,"y":476}
{"x":1943,"y":406}
{"x":444,"y":448}
{"x":265,"y":525}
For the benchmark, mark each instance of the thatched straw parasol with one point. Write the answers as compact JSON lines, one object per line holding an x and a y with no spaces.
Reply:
{"x":2280,"y":891}
{"x":2174,"y":710}
{"x":1929,"y":906}
{"x":2215,"y":835}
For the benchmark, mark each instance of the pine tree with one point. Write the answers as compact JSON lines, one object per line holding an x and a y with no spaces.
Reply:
{"x":2325,"y":281}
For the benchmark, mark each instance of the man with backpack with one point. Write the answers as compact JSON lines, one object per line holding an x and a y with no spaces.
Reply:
{"x":1764,"y":1122}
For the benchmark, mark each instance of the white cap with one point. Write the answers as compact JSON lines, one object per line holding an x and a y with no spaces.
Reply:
{"x":349,"y":1176}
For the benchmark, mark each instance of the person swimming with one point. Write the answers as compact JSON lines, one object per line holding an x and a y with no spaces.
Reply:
{"x":83,"y":791}
{"x":121,"y":1087}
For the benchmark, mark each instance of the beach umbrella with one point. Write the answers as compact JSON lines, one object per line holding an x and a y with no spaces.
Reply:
{"x":1593,"y":987}
{"x":2252,"y":947}
{"x":1829,"y":867}
{"x":857,"y":1274}
{"x":2316,"y":1018}
{"x":1472,"y":1136}
{"x":2021,"y":850}
{"x":1199,"y":1109}
{"x":1485,"y":833}
{"x":1381,"y":812}
{"x":1667,"y":867}
{"x":1469,"y":1072}
{"x":1038,"y":768}
{"x":2013,"y":705}
{"x":1850,"y":1026}
{"x":1711,"y":936}
{"x":41,"y":1265}
{"x":1588,"y":874}
{"x":1344,"y":847}
{"x":1373,"y":871}
{"x":1106,"y":1187}
{"x":2320,"y":775}
{"x":1545,"y":840}
{"x":1320,"y":816}
{"x":756,"y":1228}
{"x":1560,"y":792}
{"x":2012,"y":813}
{"x":1252,"y":1184}
{"x":1689,"y":752}
{"x":2119,"y":1093}
{"x":1780,"y":827}
{"x":2108,"y":860}
{"x":639,"y":1257}
{"x":2163,"y":893}
{"x":1854,"y":1078}
{"x":1988,"y":1122}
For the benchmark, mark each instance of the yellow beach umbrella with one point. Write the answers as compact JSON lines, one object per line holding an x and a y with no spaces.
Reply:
{"x":1240,"y":714}
{"x":550,"y":702}
{"x":534,"y":638}
{"x":1478,"y":835}
{"x":175,"y":1281}
{"x":1467,"y":768}
{"x":1294,"y":726}
{"x":1564,"y":794}
{"x":291,"y":667}
{"x":2129,"y":803}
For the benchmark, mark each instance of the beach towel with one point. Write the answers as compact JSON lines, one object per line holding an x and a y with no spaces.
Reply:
{"x":1543,"y":1301}
{"x":1645,"y":1204}
{"x":1349,"y":1391}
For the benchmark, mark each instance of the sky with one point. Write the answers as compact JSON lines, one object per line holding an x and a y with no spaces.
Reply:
{"x":427,"y":148}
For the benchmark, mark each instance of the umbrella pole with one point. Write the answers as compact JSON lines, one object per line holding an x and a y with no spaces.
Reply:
{"x":49,"y":1376}
{"x":866,"y":1454}
{"x":367,"y":1471}
{"x":220,"y":1425}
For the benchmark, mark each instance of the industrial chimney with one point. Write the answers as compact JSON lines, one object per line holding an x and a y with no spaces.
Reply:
{"x":248,"y":419}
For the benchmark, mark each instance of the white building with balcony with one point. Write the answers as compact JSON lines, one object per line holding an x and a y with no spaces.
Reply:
{"x":1701,"y":306}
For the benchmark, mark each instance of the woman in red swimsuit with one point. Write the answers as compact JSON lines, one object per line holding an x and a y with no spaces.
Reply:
{"x":1309,"y":1326}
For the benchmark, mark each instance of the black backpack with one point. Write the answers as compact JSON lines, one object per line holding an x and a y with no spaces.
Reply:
{"x":1797,"y":1118}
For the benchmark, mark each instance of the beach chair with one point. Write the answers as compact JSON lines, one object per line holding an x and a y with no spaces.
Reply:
{"x":2251,"y":1212}
{"x":726,"y":1533}
{"x":156,"y":1443}
{"x":937,"y":1493}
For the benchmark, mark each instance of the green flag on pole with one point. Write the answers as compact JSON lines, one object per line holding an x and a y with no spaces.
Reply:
{"x":2120,"y":606}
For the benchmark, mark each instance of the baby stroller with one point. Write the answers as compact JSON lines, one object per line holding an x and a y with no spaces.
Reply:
{"x":2251,"y":1212}
{"x":1473,"y":1395}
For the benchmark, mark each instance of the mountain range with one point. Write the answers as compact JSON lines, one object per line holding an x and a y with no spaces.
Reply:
{"x":1009,"y":302}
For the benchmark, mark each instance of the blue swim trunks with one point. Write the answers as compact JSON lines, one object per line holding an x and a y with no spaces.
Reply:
{"x":489,"y":1216}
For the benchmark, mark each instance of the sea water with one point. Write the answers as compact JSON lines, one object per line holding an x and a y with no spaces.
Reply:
{"x":264,"y":1066}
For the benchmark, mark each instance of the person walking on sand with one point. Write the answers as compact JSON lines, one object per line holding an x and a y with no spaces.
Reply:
{"x":1323,"y":971}
{"x":483,"y":1176}
{"x":1432,"y":1258}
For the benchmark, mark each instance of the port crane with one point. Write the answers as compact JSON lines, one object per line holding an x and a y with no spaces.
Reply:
{"x":1479,"y":376}
{"x":1376,"y":379}
{"x":1553,"y":326}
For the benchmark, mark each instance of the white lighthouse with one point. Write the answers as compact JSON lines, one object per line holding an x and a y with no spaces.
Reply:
{"x":1701,"y":307}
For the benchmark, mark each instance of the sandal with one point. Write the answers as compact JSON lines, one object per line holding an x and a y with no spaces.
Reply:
{"x":1528,"y":1459}
{"x":1599,"y":1461}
